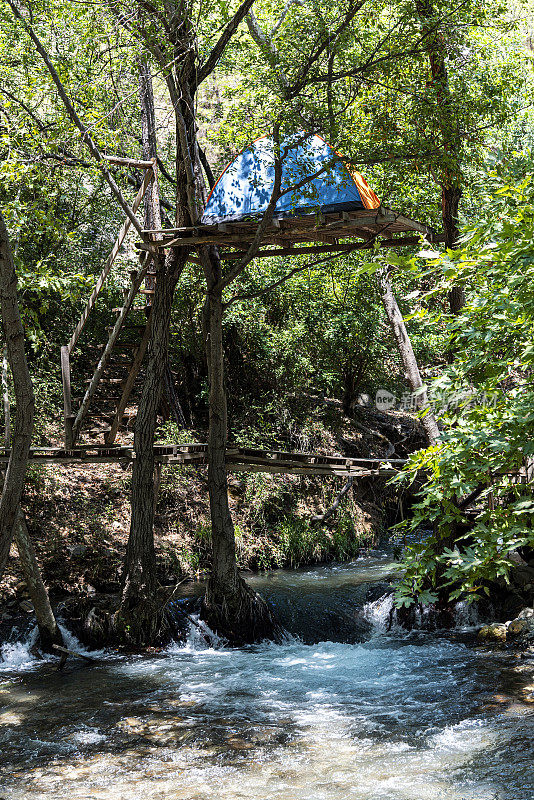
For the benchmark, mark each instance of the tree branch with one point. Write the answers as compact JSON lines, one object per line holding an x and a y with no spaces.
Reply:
{"x":284,"y":14}
{"x":366,"y":245}
{"x":267,"y":46}
{"x":335,"y":505}
{"x":327,"y":40}
{"x":207,"y":169}
{"x":86,"y":138}
{"x":213,"y":58}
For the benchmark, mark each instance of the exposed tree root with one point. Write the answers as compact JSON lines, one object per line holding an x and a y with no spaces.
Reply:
{"x":241,"y":617}
{"x":106,"y":622}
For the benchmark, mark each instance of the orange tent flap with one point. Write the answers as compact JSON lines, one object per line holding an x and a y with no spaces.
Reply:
{"x":368,"y":197}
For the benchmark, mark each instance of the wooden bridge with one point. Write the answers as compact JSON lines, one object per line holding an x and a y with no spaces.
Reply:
{"x":239,"y":459}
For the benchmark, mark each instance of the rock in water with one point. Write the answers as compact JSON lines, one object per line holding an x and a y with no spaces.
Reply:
{"x":523,"y":625}
{"x":496,"y":632}
{"x":518,"y":627}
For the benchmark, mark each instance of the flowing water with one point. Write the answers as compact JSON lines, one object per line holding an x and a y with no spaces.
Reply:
{"x":348,"y":711}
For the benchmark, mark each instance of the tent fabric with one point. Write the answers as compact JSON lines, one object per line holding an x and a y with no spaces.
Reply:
{"x":245,"y":187}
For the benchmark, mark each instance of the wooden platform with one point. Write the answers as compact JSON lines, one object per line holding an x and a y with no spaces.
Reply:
{"x":105,"y":400}
{"x":239,"y":459}
{"x":312,"y":233}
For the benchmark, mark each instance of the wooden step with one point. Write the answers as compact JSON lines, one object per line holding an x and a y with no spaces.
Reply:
{"x":122,"y":347}
{"x":130,"y":329}
{"x":108,"y":429}
{"x":128,"y":415}
{"x":133,"y":308}
{"x":116,"y":363}
{"x":105,"y":380}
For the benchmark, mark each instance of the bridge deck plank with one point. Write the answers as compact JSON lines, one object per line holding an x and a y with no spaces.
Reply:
{"x":239,"y":459}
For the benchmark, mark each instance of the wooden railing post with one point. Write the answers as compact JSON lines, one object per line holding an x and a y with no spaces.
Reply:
{"x":67,"y":400}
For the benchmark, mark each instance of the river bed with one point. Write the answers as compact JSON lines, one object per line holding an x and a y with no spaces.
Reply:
{"x":347,"y":711}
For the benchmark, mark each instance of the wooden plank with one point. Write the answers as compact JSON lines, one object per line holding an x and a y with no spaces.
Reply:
{"x":238,"y":459}
{"x":109,"y":263}
{"x":311,"y":235}
{"x":310,"y":219}
{"x":410,"y":241}
{"x":128,"y":386}
{"x":241,"y":228}
{"x":412,"y":224}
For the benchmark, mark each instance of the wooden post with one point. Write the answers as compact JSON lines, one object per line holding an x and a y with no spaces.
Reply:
{"x":67,"y":400}
{"x":128,"y":162}
{"x":5,"y":396}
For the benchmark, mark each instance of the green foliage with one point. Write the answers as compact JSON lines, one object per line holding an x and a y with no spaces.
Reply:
{"x":487,"y":406}
{"x":322,"y":332}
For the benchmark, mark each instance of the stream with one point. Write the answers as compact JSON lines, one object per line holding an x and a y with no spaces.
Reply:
{"x":344,"y":710}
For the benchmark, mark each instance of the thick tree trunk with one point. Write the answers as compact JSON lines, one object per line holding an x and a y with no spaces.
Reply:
{"x":140,"y":617}
{"x":149,"y":140}
{"x":24,"y":398}
{"x":49,"y":632}
{"x":407,"y":355}
{"x":149,"y":150}
{"x":230,"y":607}
{"x":5,"y":399}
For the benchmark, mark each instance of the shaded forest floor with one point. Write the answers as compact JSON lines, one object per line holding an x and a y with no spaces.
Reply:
{"x":79,"y":517}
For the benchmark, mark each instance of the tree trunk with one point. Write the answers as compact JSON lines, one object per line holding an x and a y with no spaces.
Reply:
{"x":230,"y":607}
{"x":24,"y":398}
{"x":140,"y":617}
{"x":153,"y":213}
{"x":5,"y":399}
{"x":451,"y":173}
{"x":49,"y":632}
{"x":407,"y":354}
{"x":149,"y":150}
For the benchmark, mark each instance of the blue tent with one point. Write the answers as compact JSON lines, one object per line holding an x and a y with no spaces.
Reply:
{"x":244,"y":188}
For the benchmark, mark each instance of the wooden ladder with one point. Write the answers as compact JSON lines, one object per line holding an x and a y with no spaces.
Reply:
{"x":74,"y":422}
